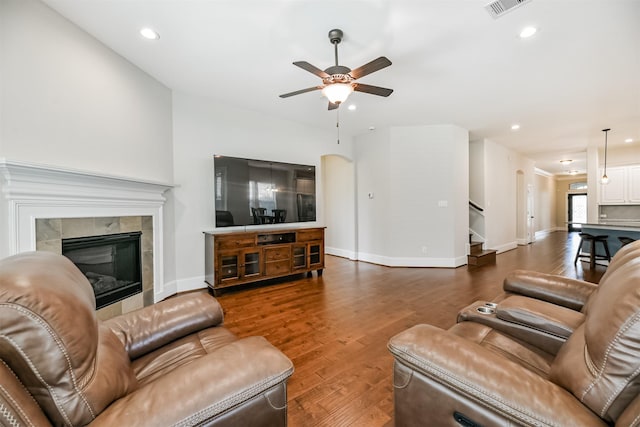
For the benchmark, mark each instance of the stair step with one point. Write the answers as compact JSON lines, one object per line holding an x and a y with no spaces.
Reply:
{"x":484,"y":257}
{"x":475,"y":247}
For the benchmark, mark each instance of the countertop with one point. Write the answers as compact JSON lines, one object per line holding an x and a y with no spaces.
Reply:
{"x":632,"y":225}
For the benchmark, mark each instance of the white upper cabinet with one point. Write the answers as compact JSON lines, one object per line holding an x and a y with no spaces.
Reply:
{"x":633,"y":193}
{"x":623,"y":187}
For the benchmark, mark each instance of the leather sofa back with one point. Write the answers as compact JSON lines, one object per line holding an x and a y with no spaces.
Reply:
{"x":51,"y":339}
{"x":599,"y":362}
{"x":629,"y":254}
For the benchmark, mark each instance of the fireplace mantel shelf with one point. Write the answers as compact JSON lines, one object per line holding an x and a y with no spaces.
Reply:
{"x":16,"y":173}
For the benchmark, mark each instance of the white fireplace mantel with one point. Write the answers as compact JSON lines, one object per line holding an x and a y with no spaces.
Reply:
{"x":31,"y":191}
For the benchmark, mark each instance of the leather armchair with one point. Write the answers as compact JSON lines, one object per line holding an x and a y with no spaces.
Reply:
{"x":545,"y":309}
{"x":474,"y":374}
{"x":172,"y":363}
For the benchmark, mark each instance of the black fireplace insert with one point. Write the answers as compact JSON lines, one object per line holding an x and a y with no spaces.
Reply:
{"x":111,"y":263}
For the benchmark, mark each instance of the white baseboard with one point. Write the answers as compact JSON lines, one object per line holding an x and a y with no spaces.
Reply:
{"x":412,"y":261}
{"x":169,"y":288}
{"x":340,"y":252}
{"x":190,"y":284}
{"x":506,"y":247}
{"x":180,"y":285}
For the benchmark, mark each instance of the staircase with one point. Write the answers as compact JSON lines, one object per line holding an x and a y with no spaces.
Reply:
{"x":478,"y":256}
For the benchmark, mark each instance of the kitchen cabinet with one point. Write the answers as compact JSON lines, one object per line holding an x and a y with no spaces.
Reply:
{"x":623,"y":187}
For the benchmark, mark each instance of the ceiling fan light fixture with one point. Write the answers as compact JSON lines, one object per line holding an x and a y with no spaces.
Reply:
{"x":337,"y":93}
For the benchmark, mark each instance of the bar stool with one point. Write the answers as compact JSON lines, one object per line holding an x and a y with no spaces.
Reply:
{"x":626,"y":240}
{"x":586,"y":237}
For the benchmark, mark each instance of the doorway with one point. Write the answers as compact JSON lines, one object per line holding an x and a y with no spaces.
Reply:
{"x":577,"y":211}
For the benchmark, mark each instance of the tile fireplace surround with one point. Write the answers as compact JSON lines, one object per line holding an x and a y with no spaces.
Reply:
{"x":35,"y":199}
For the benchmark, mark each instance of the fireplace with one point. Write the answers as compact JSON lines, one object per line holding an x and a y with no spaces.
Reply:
{"x":112,"y":264}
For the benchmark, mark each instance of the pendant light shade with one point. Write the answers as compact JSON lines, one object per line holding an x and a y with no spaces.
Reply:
{"x":605,"y":178}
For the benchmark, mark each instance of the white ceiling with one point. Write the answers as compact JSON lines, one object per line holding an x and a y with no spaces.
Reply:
{"x":452,"y":63}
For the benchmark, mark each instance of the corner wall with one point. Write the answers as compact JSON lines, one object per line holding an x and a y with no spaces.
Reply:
{"x":412,"y":192}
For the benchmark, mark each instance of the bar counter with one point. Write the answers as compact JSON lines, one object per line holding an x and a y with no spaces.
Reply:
{"x":613,"y":229}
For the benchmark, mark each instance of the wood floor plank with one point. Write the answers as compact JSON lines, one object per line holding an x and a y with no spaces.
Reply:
{"x":335,"y":327}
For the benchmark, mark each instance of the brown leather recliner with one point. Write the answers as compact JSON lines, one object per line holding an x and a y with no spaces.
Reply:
{"x":474,"y":374}
{"x":171,"y":363}
{"x":544,"y":309}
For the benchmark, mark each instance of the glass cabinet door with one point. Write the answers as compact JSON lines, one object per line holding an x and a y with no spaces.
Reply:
{"x":251,"y":263}
{"x":229,"y":267}
{"x":315,"y":254}
{"x":300,"y":256}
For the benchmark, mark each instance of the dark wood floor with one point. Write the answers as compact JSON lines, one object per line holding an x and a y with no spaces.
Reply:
{"x":335,"y":327}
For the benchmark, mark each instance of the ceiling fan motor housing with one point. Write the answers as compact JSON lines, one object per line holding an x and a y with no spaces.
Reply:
{"x":335,"y":35}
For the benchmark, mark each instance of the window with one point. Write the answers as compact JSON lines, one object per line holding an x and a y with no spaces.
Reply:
{"x":578,"y":186}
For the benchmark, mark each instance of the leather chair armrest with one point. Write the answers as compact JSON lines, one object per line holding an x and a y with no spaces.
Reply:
{"x":198,"y":392}
{"x":564,"y":291}
{"x":151,"y":327}
{"x":474,"y":373}
{"x":539,"y":315}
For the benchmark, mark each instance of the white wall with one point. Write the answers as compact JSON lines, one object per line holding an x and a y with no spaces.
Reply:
{"x":501,"y":166}
{"x":339,"y":206}
{"x":418,"y":176}
{"x":203,"y":128}
{"x":545,"y":203}
{"x":66,"y":100}
{"x":69,"y":101}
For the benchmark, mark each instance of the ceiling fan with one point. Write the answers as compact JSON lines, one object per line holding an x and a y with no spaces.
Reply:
{"x":339,"y":81}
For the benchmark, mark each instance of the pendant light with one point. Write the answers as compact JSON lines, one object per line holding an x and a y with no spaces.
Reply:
{"x":605,"y":178}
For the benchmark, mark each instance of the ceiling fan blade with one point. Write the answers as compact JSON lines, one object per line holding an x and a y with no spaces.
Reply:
{"x":368,"y":68}
{"x":298,"y":92}
{"x":312,"y":69}
{"x":333,"y":106}
{"x":374,"y":90}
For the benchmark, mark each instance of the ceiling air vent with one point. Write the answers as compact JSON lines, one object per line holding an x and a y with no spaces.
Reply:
{"x":500,"y":7}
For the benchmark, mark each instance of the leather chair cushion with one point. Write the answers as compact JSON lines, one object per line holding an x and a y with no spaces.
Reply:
{"x":179,"y":353}
{"x":72,"y":368}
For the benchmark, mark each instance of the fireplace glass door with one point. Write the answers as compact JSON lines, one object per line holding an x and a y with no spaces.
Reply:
{"x":110,"y":262}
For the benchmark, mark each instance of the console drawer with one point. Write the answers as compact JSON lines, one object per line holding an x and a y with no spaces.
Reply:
{"x":277,"y":267}
{"x":308,"y":235}
{"x":236,"y":242}
{"x":279,"y":253}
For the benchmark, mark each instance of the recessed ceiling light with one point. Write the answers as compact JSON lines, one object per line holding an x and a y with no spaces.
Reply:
{"x":352,"y":107}
{"x":628,"y":140}
{"x":150,"y":34}
{"x":566,"y":161}
{"x":573,"y":172}
{"x":528,"y":32}
{"x":515,"y":126}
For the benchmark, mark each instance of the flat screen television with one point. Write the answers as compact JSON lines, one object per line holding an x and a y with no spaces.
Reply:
{"x":256,"y":192}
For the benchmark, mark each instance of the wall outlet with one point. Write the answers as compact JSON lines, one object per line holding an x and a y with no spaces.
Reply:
{"x":424,"y":249}
{"x":443,"y":203}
